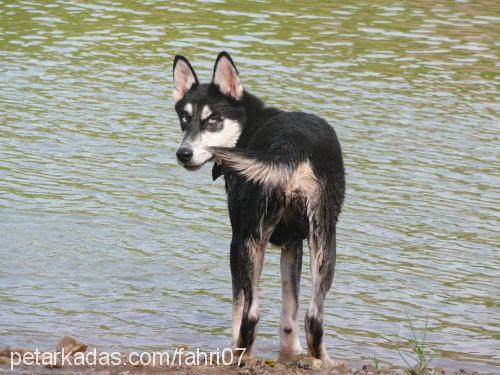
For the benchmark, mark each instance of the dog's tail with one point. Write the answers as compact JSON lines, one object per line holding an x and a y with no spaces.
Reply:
{"x":254,"y":166}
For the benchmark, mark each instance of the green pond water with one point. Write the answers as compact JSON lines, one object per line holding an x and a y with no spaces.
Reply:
{"x":104,"y":237}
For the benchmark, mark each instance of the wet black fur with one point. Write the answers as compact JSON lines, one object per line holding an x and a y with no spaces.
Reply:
{"x":285,"y":138}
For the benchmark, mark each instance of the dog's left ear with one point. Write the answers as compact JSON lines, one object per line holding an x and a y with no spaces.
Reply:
{"x":226,"y":76}
{"x":184,"y":77}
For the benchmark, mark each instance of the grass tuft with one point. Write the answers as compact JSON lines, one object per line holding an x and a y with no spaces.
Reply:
{"x":420,"y":354}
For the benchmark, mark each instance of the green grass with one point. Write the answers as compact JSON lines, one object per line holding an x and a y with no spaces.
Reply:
{"x":376,"y":363}
{"x":418,"y":360}
{"x":421,"y":354}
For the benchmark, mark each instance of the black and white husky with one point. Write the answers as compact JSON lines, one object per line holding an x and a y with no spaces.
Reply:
{"x":284,"y":178}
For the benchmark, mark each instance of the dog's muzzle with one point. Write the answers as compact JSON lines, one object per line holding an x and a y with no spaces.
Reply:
{"x":185,"y":158}
{"x":184,"y":154}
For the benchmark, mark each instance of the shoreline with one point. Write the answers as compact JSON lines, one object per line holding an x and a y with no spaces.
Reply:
{"x":80,"y":359}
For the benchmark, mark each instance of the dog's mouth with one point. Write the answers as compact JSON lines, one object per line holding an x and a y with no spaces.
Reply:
{"x":192,"y":167}
{"x":195,"y":163}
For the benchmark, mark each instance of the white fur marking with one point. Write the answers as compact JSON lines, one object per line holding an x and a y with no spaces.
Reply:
{"x":205,"y":112}
{"x":226,"y":137}
{"x":257,"y":250}
{"x":301,"y":180}
{"x":238,"y":305}
{"x":189,"y":109}
{"x":269,"y":174}
{"x":289,"y":342}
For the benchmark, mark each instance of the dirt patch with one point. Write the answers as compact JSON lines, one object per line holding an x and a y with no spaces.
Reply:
{"x":24,"y":361}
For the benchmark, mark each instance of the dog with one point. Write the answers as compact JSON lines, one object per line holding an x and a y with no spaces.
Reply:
{"x":285,"y":182}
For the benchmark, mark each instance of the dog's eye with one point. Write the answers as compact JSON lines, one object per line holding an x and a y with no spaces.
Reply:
{"x":185,"y":119}
{"x":210,"y":122}
{"x":213,"y":120}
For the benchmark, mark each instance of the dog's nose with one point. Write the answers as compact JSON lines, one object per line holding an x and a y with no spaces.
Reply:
{"x":184,"y":154}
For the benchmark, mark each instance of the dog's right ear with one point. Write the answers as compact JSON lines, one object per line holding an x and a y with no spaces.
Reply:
{"x":184,"y":77}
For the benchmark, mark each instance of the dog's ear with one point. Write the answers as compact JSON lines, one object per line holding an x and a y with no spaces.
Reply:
{"x":226,"y":76}
{"x":184,"y":77}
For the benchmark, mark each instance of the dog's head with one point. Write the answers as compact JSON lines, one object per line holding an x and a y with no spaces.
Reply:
{"x":211,"y":115}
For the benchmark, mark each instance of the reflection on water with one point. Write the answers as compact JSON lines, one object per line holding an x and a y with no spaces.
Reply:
{"x":104,"y":237}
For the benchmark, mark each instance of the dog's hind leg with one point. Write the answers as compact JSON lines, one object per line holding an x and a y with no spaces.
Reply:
{"x":291,"y":267}
{"x":247,"y":258}
{"x":322,"y":248}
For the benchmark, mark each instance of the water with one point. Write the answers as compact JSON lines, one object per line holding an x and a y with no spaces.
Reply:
{"x":104,"y":237}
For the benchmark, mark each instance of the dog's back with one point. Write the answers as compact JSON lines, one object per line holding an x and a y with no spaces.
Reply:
{"x":294,"y":157}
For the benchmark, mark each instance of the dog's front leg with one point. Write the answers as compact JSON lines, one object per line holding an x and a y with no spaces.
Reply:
{"x":247,"y":257}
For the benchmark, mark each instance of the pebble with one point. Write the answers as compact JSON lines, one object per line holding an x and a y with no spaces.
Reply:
{"x":71,"y":345}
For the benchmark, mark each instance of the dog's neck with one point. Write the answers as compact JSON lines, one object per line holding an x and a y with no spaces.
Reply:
{"x":256,"y":114}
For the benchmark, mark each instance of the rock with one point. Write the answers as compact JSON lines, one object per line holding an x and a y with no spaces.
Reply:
{"x":316,"y":363}
{"x":8,"y":350}
{"x":338,"y":364}
{"x":270,"y":362}
{"x":71,"y":345}
{"x":4,"y":361}
{"x":58,"y":364}
{"x":247,"y":362}
{"x":304,"y":364}
{"x":370,"y":368}
{"x":439,"y":371}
